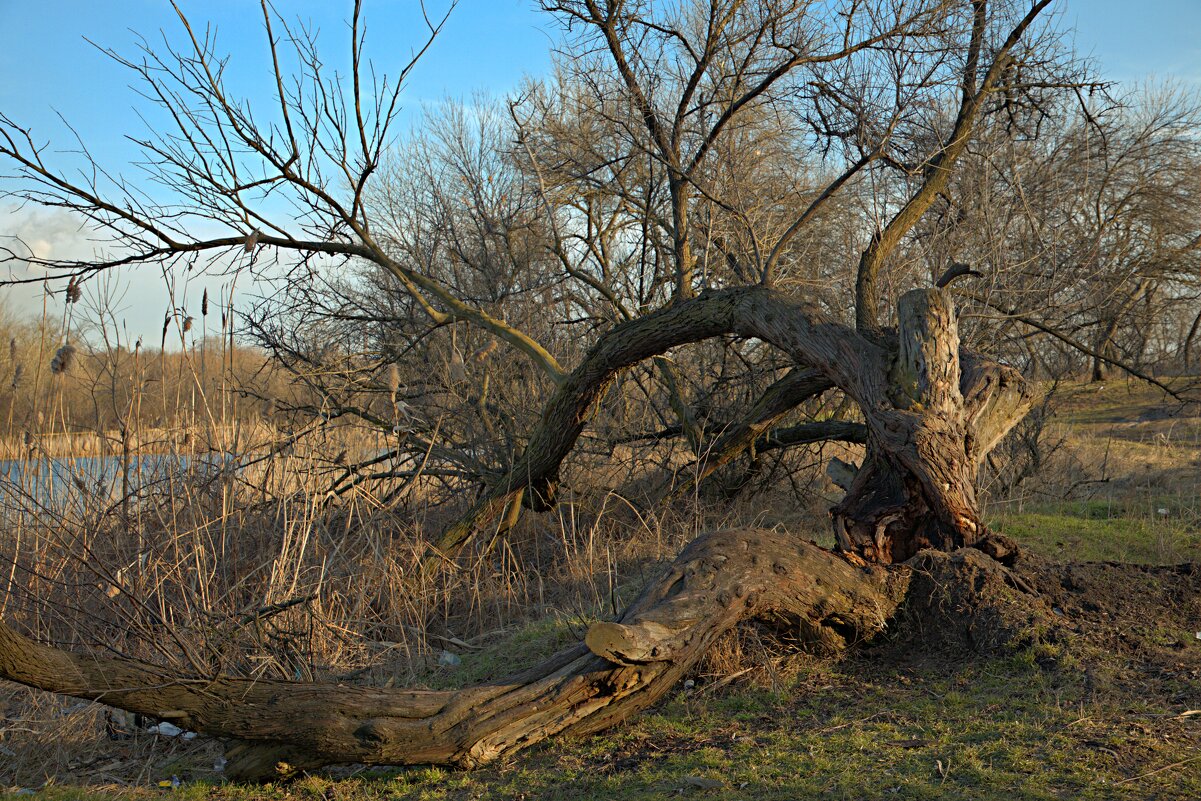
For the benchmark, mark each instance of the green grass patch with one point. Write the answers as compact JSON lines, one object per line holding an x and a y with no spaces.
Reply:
{"x":511,"y":652}
{"x":1099,"y":530}
{"x":984,"y":730}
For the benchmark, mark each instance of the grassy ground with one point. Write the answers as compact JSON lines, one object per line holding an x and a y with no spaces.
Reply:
{"x":886,"y":723}
{"x":925,"y":729}
{"x":1123,"y":483}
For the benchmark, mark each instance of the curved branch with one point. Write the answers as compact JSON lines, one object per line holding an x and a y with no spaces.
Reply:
{"x":780,"y":398}
{"x":1073,"y":342}
{"x":840,"y":355}
{"x":938,"y":172}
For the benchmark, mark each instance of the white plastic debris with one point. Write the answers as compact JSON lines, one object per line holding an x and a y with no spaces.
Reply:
{"x":165,"y":729}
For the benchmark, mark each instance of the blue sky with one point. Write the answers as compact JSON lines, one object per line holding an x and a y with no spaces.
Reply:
{"x":47,"y":67}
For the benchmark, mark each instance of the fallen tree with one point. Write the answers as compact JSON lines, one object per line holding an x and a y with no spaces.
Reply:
{"x":929,"y":423}
{"x":718,"y":581}
{"x":931,"y":411}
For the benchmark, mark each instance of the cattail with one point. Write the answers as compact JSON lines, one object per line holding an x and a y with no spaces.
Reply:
{"x":166,"y":325}
{"x":187,"y":324}
{"x":18,"y":371}
{"x":28,"y":439}
{"x":204,"y":304}
{"x":393,"y":381}
{"x":63,"y":357}
{"x":12,"y":349}
{"x":483,"y":353}
{"x":252,"y":239}
{"x":74,"y":292}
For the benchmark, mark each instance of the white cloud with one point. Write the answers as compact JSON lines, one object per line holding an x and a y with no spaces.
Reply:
{"x":133,"y":299}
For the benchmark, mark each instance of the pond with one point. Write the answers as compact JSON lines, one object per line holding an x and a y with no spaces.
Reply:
{"x":54,"y":480}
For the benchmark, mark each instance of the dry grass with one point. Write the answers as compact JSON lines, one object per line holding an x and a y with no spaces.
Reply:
{"x":260,"y":571}
{"x":181,"y":440}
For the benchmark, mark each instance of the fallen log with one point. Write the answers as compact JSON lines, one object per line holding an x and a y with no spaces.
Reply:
{"x":277,"y":728}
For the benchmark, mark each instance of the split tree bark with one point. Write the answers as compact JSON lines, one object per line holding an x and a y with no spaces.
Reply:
{"x":916,"y":488}
{"x":720,"y":580}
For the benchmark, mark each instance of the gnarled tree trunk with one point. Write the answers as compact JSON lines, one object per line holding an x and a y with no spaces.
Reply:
{"x":720,"y":580}
{"x":931,"y":412}
{"x":927,"y":435}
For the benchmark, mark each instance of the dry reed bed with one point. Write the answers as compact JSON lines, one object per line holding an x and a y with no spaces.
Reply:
{"x":285,"y":589}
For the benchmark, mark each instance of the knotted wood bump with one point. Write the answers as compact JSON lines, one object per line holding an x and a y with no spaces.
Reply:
{"x":631,"y":644}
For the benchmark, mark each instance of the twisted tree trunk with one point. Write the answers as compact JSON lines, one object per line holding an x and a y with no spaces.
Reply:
{"x":720,"y":580}
{"x":931,"y":413}
{"x":916,"y":487}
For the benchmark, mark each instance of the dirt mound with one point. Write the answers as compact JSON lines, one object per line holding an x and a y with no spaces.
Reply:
{"x":1131,"y":626}
{"x":967,"y":601}
{"x":1119,"y":623}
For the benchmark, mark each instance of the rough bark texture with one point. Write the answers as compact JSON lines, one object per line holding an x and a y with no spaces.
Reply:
{"x":894,"y":509}
{"x":901,"y":436}
{"x":719,"y":580}
{"x":927,"y":435}
{"x":842,"y":356}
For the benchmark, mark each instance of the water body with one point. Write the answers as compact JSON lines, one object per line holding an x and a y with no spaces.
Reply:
{"x":47,"y":480}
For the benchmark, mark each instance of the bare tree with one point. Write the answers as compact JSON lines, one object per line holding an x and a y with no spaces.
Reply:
{"x":1085,"y":230}
{"x":647,"y":220}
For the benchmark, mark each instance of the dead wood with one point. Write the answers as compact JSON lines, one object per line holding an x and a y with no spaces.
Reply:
{"x":276,"y":728}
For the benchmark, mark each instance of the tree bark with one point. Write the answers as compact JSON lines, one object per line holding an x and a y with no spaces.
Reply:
{"x":841,"y":355}
{"x":721,"y":579}
{"x":916,"y":488}
{"x":1186,"y":361}
{"x":1104,"y":350}
{"x":924,"y":436}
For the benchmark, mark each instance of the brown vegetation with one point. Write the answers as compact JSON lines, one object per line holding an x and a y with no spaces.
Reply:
{"x":666,"y":251}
